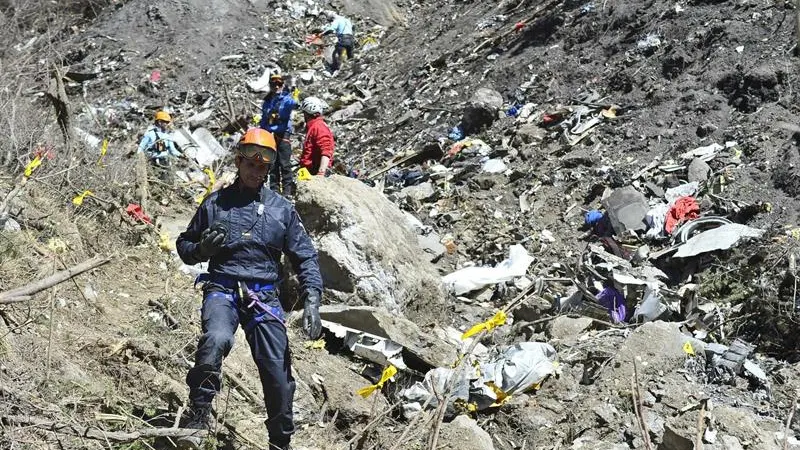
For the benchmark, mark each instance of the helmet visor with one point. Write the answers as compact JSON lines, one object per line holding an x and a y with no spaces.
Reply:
{"x":254,"y":151}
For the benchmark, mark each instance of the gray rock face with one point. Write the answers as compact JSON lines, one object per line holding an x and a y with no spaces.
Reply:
{"x":481,"y":110}
{"x":626,"y":208}
{"x":368,"y":252}
{"x":464,"y":433}
{"x":698,"y":170}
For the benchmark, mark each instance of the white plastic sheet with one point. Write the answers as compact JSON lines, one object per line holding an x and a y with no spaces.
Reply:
{"x":472,"y":278}
{"x":494,"y":166}
{"x":720,"y":238}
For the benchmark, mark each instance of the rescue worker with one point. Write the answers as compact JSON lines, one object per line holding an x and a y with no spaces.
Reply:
{"x":343,"y":28}
{"x":242,"y":230}
{"x":276,"y":117}
{"x":157,"y":142}
{"x":319,"y":144}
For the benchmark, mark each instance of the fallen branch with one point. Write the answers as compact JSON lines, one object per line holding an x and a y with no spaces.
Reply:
{"x":638,"y":407}
{"x":369,"y":425}
{"x":241,"y":387}
{"x":788,"y":425}
{"x":96,"y":433}
{"x":701,"y":417}
{"x":172,"y":322}
{"x":25,"y":292}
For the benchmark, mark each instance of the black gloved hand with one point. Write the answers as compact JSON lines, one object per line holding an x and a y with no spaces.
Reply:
{"x":212,"y":240}
{"x":312,"y":324}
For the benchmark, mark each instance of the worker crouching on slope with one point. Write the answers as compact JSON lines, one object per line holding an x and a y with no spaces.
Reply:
{"x":242,"y":230}
{"x":157,"y":142}
{"x":276,"y":117}
{"x":319,"y":144}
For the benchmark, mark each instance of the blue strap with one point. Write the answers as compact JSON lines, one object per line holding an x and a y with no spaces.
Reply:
{"x":230,"y":283}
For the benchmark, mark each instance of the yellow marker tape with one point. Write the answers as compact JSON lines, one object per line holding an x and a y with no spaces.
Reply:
{"x":36,"y":162}
{"x":389,"y":372}
{"x":212,"y":180}
{"x":303,"y":174}
{"x":103,"y":151}
{"x":78,"y":200}
{"x":319,"y":344}
{"x":256,"y":119}
{"x":296,"y":94}
{"x":165,"y":242}
{"x":687,"y":347}
{"x":489,"y":325}
{"x":56,"y":245}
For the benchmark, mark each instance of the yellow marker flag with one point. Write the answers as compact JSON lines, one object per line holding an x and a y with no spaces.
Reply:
{"x":489,"y":325}
{"x":303,"y":174}
{"x":296,"y":94}
{"x":687,"y":347}
{"x":36,"y":162}
{"x":165,"y":242}
{"x":389,"y":372}
{"x":319,"y":344}
{"x":212,"y":180}
{"x":103,"y":151}
{"x":78,"y":200}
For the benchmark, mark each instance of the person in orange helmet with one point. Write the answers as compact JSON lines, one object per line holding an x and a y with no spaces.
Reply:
{"x":242,"y":231}
{"x":157,"y":142}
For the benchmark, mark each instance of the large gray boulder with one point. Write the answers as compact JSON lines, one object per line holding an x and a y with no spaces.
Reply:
{"x":464,"y":433}
{"x":481,"y":110}
{"x":368,"y":251}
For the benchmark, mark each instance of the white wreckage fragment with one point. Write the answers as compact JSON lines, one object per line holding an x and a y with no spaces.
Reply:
{"x":514,"y":370}
{"x":373,"y":348}
{"x":720,"y":238}
{"x":472,"y":278}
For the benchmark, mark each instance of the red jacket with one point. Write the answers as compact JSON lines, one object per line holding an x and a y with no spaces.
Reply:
{"x":319,"y":142}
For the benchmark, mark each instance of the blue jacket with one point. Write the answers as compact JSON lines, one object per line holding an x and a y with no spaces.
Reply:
{"x":254,"y":242}
{"x":341,"y":26}
{"x":152,"y":137}
{"x":276,"y":112}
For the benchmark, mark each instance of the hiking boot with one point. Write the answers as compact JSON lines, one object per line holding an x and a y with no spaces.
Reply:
{"x":199,"y":418}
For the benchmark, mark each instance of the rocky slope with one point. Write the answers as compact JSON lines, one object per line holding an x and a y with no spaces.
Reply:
{"x":654,"y":80}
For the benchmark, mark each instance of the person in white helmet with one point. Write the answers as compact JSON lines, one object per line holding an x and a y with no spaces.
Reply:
{"x":319,"y":143}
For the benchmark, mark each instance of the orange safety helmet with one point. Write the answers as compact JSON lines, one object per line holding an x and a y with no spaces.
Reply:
{"x":257,"y":143}
{"x":163,"y":116}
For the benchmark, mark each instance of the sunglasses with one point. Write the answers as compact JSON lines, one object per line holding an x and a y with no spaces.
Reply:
{"x":252,"y":151}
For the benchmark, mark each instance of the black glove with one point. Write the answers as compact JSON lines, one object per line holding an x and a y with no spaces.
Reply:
{"x":212,"y":240}
{"x":311,"y":321}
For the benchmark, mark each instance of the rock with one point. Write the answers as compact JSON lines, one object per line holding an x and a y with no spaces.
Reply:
{"x":431,"y":244}
{"x":340,"y":384}
{"x":199,"y":118}
{"x":529,"y":133}
{"x":426,"y":346}
{"x":657,"y":348}
{"x":421,"y":192}
{"x":11,"y":226}
{"x":675,"y":438}
{"x":367,"y":113}
{"x":698,"y":170}
{"x":758,"y":431}
{"x":464,"y":433}
{"x":729,"y":443}
{"x":626,"y":208}
{"x":367,"y":248}
{"x":346,"y":113}
{"x":567,"y":329}
{"x":481,"y":110}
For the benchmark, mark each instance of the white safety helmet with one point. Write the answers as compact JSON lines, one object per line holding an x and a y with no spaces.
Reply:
{"x":313,"y":106}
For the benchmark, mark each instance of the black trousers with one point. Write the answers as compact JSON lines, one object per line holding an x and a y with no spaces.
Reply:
{"x":281,"y":178}
{"x":269,"y":346}
{"x":346,"y":43}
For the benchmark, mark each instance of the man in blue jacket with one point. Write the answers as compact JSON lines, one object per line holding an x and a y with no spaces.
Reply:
{"x":242,"y":230}
{"x":276,"y":117}
{"x":343,"y":28}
